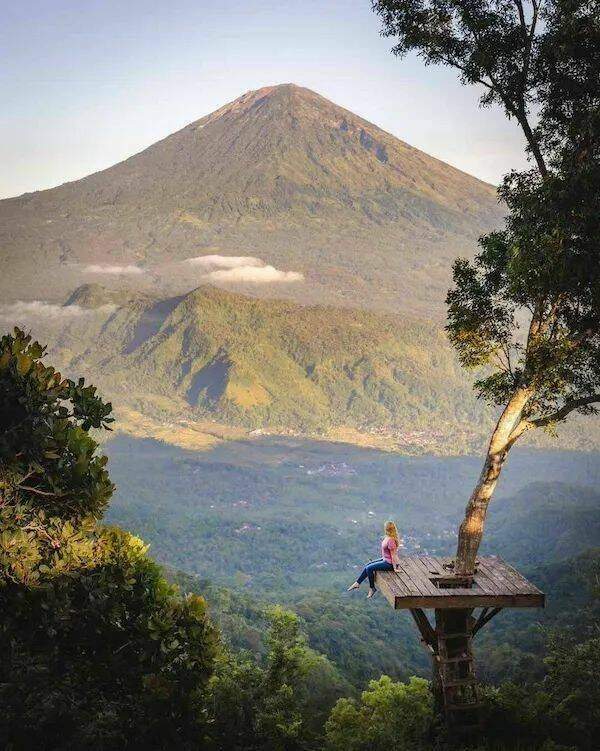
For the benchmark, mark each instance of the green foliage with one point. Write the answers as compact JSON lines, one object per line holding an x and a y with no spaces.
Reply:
{"x":104,"y":654}
{"x":280,"y":705}
{"x":485,"y":41}
{"x":546,"y":260}
{"x":559,"y":712}
{"x":389,"y":715}
{"x":543,"y":267}
{"x":573,"y":688}
{"x":47,"y":457}
{"x":98,"y":650}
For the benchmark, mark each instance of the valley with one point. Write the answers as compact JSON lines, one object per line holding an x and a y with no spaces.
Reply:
{"x":304,"y":514}
{"x":291,"y":521}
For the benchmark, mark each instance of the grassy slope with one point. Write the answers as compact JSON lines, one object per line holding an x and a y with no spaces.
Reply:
{"x":279,"y":366}
{"x":368,"y":378}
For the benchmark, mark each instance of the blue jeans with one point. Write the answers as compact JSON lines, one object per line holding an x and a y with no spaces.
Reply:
{"x":370,"y":569}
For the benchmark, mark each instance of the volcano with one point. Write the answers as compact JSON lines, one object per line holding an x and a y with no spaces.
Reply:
{"x":332,"y":210}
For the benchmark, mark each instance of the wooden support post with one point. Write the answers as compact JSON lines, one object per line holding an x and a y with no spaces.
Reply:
{"x":428,"y":635}
{"x":485,"y":617}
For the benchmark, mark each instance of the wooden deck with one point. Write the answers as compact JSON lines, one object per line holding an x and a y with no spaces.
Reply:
{"x":495,"y":585}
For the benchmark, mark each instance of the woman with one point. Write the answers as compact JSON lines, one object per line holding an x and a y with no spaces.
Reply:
{"x":388,"y":562}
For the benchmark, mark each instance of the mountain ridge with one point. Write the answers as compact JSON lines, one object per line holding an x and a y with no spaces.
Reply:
{"x":213,"y":363}
{"x":269,"y":365}
{"x":280,"y":174}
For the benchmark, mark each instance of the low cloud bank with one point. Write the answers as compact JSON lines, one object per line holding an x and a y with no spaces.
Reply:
{"x":241,"y":269}
{"x":98,"y":268}
{"x":224,"y":262}
{"x":19,"y":311}
{"x":255,"y":274}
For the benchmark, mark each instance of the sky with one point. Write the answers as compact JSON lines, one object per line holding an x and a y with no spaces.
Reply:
{"x":85,"y":84}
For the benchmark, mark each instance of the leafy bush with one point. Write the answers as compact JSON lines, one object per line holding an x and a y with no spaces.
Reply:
{"x":389,"y":715}
{"x":47,"y":457}
{"x":98,"y":650}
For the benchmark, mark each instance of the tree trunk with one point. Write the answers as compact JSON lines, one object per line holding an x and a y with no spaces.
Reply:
{"x":471,"y":529}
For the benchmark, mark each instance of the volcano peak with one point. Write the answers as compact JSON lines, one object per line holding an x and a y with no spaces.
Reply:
{"x":280,"y":174}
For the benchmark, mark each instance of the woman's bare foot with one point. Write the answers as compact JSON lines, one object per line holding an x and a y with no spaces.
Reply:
{"x":356,"y":585}
{"x":371,"y":593}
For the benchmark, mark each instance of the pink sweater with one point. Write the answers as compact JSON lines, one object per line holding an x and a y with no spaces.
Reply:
{"x":388,"y":546}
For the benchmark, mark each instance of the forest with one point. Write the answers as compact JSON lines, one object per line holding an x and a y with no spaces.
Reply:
{"x":104,"y":649}
{"x":242,"y":635}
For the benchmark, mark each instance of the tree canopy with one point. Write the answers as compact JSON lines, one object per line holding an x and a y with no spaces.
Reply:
{"x":526,"y":310}
{"x":98,"y":650}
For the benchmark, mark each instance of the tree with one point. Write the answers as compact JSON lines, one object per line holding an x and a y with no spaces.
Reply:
{"x":279,"y":706}
{"x":389,"y":715}
{"x":526,"y":311}
{"x":98,"y":650}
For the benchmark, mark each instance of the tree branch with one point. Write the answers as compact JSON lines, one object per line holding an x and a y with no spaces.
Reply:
{"x":561,"y":413}
{"x":40,"y":492}
{"x":557,"y":416}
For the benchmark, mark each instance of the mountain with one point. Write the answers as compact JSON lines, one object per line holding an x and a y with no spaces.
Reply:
{"x":211,"y":365}
{"x":270,"y":364}
{"x":342,"y":211}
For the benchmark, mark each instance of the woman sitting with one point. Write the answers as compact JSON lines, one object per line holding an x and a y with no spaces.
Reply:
{"x":388,"y":562}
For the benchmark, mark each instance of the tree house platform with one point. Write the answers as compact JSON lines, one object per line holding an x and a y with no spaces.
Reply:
{"x":429,"y":582}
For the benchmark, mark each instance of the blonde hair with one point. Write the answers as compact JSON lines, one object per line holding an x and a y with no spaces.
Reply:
{"x":391,"y":531}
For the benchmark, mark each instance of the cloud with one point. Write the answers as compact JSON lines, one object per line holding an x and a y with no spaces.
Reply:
{"x":18,"y":312}
{"x":224,"y":262}
{"x":241,"y":269}
{"x":255,"y":274}
{"x":100,"y":268}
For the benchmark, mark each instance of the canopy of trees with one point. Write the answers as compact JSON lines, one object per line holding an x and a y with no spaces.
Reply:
{"x":527,"y":309}
{"x":98,"y":650}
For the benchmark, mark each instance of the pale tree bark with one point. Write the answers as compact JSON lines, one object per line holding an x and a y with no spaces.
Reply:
{"x":509,"y":428}
{"x":471,"y":529}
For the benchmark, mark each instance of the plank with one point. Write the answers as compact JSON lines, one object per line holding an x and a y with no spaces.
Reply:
{"x":434,"y":566}
{"x":411,"y":578}
{"x":421,"y":576}
{"x":496,"y":574}
{"x":467,"y":601}
{"x":395,"y":582}
{"x":524,"y":583}
{"x":486,"y":582}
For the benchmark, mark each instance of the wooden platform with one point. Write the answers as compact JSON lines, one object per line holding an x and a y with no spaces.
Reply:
{"x":418,"y":585}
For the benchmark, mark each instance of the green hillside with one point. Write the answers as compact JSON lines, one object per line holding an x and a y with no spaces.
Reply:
{"x":512,"y":648}
{"x":187,"y":369}
{"x":545,"y":521}
{"x":275,"y":365}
